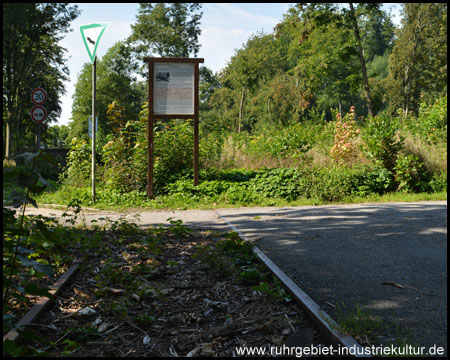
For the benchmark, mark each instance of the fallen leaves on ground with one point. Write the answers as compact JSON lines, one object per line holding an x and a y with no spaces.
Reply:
{"x":149,"y":295}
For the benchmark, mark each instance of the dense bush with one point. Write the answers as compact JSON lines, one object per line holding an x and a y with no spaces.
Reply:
{"x":125,"y":155}
{"x":431,"y":123}
{"x":382,"y":141}
{"x":208,"y":188}
{"x":125,"y":158}
{"x":232,"y":175}
{"x":173,"y":152}
{"x":266,"y":177}
{"x":278,"y":183}
{"x":110,"y":196}
{"x":376,"y":181}
{"x":438,"y":182}
{"x":337,"y":182}
{"x":78,"y":169}
{"x":321,"y":184}
{"x":211,"y":146}
{"x":411,"y":175}
{"x":290,"y":141}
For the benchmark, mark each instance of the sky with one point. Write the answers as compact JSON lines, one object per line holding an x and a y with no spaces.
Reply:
{"x":225,"y":27}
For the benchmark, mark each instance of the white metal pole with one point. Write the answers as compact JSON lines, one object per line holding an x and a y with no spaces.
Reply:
{"x":93,"y":127}
{"x":38,"y":137}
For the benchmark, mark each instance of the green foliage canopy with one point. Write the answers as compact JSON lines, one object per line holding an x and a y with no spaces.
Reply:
{"x":32,"y":57}
{"x":166,"y":29}
{"x":418,"y":63}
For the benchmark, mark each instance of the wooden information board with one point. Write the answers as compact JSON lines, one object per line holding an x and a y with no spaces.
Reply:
{"x":172,"y":94}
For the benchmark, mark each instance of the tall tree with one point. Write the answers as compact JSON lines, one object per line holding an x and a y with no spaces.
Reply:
{"x":323,"y":14}
{"x":166,"y":29}
{"x":322,"y":56}
{"x":208,"y":83}
{"x":32,"y":58}
{"x":355,"y":26}
{"x":377,"y":33}
{"x":257,"y":62}
{"x":418,"y":63}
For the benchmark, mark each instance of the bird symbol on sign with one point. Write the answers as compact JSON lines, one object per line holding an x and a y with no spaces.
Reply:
{"x":91,"y":41}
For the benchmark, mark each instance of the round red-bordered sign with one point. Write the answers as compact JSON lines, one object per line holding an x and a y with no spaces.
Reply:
{"x":38,"y":114}
{"x":39,"y":96}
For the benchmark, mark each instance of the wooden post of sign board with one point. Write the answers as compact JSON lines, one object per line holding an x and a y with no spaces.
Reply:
{"x":150,"y":132}
{"x":196,"y":75}
{"x":152,"y":116}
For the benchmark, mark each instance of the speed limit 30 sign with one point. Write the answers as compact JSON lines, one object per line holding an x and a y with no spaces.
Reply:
{"x":39,"y":96}
{"x":38,"y":114}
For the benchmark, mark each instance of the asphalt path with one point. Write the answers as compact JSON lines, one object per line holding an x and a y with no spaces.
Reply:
{"x":389,"y":259}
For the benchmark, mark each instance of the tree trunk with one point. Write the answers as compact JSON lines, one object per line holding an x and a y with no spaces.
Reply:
{"x":17,"y":144}
{"x":410,"y":70}
{"x":406,"y":92}
{"x":8,"y":137}
{"x":363,"y":62}
{"x":241,"y":105}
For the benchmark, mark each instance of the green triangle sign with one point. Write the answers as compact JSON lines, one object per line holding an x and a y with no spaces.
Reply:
{"x":91,"y":35}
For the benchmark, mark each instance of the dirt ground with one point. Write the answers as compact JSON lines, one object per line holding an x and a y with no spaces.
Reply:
{"x":169,"y":294}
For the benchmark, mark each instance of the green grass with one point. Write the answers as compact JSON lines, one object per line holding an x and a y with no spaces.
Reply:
{"x":122,"y":202}
{"x":396,"y":197}
{"x":358,"y":323}
{"x":366,"y":328}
